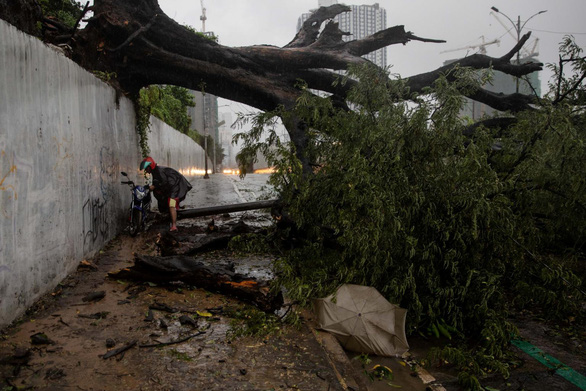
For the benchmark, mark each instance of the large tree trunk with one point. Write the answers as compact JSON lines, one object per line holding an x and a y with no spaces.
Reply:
{"x":213,"y":277}
{"x":135,"y":39}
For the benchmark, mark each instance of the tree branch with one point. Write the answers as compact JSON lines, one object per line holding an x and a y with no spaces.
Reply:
{"x":513,"y":102}
{"x":384,"y":38}
{"x":83,"y":12}
{"x":476,"y":61}
{"x":310,"y":29}
{"x":330,"y":37}
{"x":507,"y":57}
{"x":573,"y":88}
{"x":132,"y":36}
{"x":491,"y":123}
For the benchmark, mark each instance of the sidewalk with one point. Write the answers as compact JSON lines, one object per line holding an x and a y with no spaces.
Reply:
{"x":64,"y":341}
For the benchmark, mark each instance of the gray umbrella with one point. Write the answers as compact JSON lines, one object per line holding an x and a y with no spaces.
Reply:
{"x":363,"y":321}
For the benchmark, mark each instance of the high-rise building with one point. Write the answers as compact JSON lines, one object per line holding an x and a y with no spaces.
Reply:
{"x":204,"y":116}
{"x":204,"y":119}
{"x":360,"y":22}
{"x":326,"y":3}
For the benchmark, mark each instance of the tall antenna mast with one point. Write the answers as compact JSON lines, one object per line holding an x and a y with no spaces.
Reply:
{"x":203,"y":18}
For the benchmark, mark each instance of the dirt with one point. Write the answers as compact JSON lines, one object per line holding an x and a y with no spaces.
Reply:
{"x":74,"y":357}
{"x":74,"y":336}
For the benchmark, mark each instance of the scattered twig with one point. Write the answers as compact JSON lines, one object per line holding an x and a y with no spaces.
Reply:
{"x":97,"y":315}
{"x":156,"y":345}
{"x":94,"y":296}
{"x":290,"y":305}
{"x":122,"y":349}
{"x":187,"y":320}
{"x":162,"y":307}
{"x":62,"y":321}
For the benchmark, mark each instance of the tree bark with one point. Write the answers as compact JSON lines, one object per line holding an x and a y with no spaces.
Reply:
{"x":195,"y":272}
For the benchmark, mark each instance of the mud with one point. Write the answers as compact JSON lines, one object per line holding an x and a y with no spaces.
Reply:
{"x":80,"y":332}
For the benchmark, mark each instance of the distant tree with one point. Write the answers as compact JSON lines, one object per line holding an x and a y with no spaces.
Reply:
{"x":169,"y":103}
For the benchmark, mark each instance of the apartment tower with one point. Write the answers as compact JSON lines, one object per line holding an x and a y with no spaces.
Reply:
{"x":360,"y":22}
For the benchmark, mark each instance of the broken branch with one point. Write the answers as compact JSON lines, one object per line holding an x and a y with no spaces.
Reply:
{"x":122,"y":349}
{"x":157,"y":345}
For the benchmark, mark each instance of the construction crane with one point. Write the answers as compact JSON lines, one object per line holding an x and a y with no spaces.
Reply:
{"x":203,"y":18}
{"x":526,"y":53}
{"x":482,"y":46}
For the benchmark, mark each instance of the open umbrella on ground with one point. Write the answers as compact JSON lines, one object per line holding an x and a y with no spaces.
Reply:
{"x":363,"y":321}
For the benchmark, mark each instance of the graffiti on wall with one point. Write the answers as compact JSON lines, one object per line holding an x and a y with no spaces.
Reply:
{"x":95,"y":221}
{"x":108,"y":168}
{"x":95,"y":210}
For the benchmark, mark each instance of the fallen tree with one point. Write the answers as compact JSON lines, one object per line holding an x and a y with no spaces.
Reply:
{"x":138,"y":43}
{"x":447,"y":220}
{"x":462,"y":226}
{"x":214,"y":210}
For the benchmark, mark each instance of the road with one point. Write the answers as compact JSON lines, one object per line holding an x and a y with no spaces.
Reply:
{"x":221,"y":189}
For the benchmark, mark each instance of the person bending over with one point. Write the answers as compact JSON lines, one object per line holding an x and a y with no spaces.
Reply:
{"x":169,"y":187}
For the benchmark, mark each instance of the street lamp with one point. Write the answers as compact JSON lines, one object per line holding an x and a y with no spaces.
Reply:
{"x":518,"y":27}
{"x":206,"y":112}
{"x":205,"y":141}
{"x":205,"y":149}
{"x":216,"y":137}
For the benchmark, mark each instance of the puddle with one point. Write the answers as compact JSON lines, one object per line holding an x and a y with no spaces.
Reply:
{"x":257,"y":267}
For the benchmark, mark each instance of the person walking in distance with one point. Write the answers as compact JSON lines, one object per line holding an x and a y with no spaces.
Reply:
{"x":169,"y":187}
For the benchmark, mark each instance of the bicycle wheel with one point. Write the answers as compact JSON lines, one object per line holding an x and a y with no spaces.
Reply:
{"x":135,"y":222}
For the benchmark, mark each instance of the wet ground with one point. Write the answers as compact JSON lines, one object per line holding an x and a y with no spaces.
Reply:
{"x":77,"y":334}
{"x":178,"y":337}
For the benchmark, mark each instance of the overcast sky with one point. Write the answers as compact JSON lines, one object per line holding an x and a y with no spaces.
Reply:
{"x":461,"y":23}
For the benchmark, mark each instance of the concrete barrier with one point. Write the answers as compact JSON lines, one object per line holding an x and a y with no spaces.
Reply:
{"x":63,"y":141}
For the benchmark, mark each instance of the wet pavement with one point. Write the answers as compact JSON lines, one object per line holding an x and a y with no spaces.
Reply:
{"x":177,"y":337}
{"x":222,"y":189}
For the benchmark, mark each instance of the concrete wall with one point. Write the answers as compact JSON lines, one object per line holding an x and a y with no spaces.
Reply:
{"x":174,"y":149}
{"x":63,"y":142}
